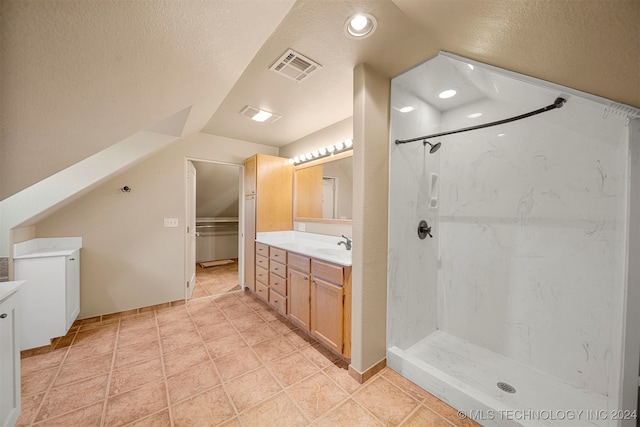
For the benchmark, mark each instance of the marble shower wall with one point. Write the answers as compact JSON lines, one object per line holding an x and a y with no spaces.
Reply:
{"x":527,"y":258}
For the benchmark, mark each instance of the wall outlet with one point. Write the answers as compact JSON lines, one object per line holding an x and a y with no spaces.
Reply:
{"x":301,"y":227}
{"x":170,"y":222}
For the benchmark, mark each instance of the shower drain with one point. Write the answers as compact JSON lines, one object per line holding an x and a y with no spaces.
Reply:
{"x":506,"y":387}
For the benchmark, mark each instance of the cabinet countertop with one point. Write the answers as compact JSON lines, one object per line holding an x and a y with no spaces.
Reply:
{"x":8,"y":288}
{"x":46,"y":247}
{"x":317,"y":246}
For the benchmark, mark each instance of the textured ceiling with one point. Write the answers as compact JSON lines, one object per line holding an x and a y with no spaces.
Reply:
{"x":78,"y":76}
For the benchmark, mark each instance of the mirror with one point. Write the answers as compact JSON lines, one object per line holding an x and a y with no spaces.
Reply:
{"x":323,"y":190}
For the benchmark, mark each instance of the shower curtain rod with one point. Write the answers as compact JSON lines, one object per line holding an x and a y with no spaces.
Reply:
{"x":556,"y":104}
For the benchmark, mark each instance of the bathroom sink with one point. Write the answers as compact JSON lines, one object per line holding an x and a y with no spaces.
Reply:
{"x":337,"y":252}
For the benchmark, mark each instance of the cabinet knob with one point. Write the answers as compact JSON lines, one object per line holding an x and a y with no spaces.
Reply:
{"x":3,"y":315}
{"x":72,"y":259}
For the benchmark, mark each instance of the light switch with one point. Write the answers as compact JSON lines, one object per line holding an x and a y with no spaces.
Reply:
{"x":170,"y":222}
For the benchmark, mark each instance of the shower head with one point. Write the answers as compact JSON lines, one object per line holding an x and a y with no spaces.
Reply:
{"x":434,"y":147}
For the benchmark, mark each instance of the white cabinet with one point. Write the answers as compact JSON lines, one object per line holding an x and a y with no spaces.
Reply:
{"x":9,"y":354}
{"x":50,"y":299}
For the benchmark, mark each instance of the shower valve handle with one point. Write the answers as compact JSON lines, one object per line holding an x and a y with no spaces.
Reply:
{"x":424,"y":230}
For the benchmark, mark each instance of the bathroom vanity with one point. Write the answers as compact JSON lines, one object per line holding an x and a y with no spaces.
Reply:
{"x":306,"y":277}
{"x":50,"y":299}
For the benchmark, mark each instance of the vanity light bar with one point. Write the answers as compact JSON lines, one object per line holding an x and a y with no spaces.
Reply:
{"x":330,"y":150}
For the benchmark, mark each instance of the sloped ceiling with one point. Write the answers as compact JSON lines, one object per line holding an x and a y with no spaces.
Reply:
{"x":78,"y":76}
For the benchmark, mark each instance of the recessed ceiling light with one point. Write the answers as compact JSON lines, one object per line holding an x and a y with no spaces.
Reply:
{"x":470,"y":66}
{"x":474,"y":115}
{"x":447,"y":93}
{"x":360,"y":26}
{"x":406,"y":109}
{"x":261,"y":116}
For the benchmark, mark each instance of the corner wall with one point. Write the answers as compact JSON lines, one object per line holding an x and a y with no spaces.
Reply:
{"x":129,"y":259}
{"x":370,"y":212}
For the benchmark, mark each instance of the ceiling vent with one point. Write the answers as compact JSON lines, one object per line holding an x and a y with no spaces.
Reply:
{"x":294,"y":66}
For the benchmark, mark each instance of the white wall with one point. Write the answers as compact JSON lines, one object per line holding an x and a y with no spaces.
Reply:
{"x":129,"y":259}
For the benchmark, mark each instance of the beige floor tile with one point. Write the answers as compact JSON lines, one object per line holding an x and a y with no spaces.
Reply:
{"x":212,"y":316}
{"x":298,"y":338}
{"x":138,"y":321}
{"x":319,"y":355}
{"x":350,"y":414}
{"x":85,"y":368}
{"x":447,"y":412}
{"x":199,"y":292}
{"x":425,"y":417}
{"x":236,"y":310}
{"x":233,"y":422}
{"x":135,"y":404}
{"x":171,"y":315}
{"x":339,"y":372}
{"x":256,"y":335}
{"x":94,"y":348}
{"x":178,"y":361}
{"x":159,"y":419}
{"x":252,"y":388}
{"x":107,"y":332}
{"x":269,"y":314}
{"x":193,"y":381}
{"x":179,"y":326}
{"x":89,"y":416}
{"x":273,"y":348}
{"x":247,"y":321}
{"x":292,"y":368}
{"x":282,"y":325}
{"x":73,"y":396}
{"x":386,"y":401}
{"x":414,"y":391}
{"x":206,"y":409}
{"x":133,"y":376}
{"x":219,"y":330}
{"x":180,"y":340}
{"x":137,"y":353}
{"x":42,"y":361}
{"x":137,"y":336}
{"x":317,"y":394}
{"x":237,"y":363}
{"x":38,"y":381}
{"x":225,"y":345}
{"x":30,"y":405}
{"x":276,"y":411}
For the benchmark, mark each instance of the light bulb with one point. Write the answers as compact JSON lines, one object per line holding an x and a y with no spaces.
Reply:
{"x":323,"y":151}
{"x":315,"y":153}
{"x":331,"y":148}
{"x":308,"y":156}
{"x":348,"y":143}
{"x":339,"y":146}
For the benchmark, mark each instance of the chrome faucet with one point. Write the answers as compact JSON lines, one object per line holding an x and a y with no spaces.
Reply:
{"x":347,"y":243}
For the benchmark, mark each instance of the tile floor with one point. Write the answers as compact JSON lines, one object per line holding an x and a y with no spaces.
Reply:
{"x":228,"y":360}
{"x":216,"y":280}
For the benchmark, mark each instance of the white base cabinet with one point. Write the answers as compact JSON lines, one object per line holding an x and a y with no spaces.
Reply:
{"x":9,"y":354}
{"x":50,"y":300}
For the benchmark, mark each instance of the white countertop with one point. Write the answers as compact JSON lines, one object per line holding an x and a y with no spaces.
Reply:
{"x":8,"y":288}
{"x":318,"y":246}
{"x":46,"y":247}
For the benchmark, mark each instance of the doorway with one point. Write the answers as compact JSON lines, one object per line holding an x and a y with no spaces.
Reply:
{"x":213,"y":218}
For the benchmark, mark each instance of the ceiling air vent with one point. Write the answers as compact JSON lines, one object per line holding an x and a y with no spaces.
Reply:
{"x":294,"y":66}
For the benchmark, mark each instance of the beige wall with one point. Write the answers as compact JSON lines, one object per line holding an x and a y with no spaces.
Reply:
{"x":370,"y":213}
{"x":129,"y":259}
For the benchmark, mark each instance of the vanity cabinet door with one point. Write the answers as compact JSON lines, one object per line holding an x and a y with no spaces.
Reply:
{"x":299,"y":293}
{"x":9,"y":362}
{"x":327,"y":313}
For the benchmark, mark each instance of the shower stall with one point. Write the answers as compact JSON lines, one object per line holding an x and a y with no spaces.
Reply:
{"x":520,"y":305}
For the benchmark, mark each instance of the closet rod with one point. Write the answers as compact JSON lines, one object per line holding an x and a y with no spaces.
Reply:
{"x":556,"y":104}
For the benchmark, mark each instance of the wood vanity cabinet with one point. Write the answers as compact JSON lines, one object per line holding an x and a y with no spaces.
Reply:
{"x":299,"y":289}
{"x":330,"y":305}
{"x":278,"y":280}
{"x":268,"y":204}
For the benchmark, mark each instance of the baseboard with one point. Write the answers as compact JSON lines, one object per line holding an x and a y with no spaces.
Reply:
{"x":362,"y":377}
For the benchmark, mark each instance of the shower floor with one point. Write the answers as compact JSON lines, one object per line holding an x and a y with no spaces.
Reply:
{"x":465,"y":376}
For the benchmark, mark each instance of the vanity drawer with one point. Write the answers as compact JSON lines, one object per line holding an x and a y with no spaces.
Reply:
{"x":329,"y":272}
{"x":278,"y":284}
{"x":299,"y":262}
{"x":278,"y":255}
{"x":262,"y":262}
{"x":262,"y":291}
{"x":278,"y":302}
{"x":262,"y":249}
{"x":278,"y":268}
{"x":262,"y":275}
